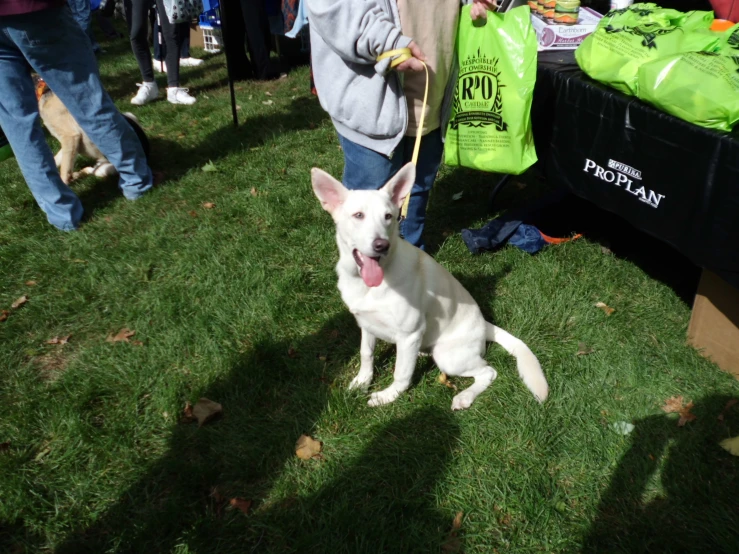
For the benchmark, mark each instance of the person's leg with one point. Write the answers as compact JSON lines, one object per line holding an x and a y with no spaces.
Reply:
{"x":257,"y":37}
{"x":429,"y":159}
{"x":185,"y":46}
{"x":235,"y":42}
{"x":172,"y":40}
{"x":365,"y":169}
{"x":185,"y":59}
{"x":59,"y":51}
{"x":137,"y":14}
{"x":81,"y":12}
{"x":160,"y":48}
{"x":20,"y":121}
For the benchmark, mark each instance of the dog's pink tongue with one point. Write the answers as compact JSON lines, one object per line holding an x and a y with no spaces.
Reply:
{"x":372,"y":273}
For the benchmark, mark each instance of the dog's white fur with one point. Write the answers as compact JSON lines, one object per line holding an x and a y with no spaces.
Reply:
{"x":418,"y":305}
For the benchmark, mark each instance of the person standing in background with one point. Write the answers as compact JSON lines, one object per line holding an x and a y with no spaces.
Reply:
{"x":137,"y":17}
{"x":43,"y":34}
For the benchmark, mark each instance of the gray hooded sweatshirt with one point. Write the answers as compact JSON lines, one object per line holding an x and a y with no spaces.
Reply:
{"x":363,"y":97}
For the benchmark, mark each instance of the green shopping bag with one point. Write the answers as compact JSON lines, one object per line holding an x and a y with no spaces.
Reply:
{"x":623,"y":42}
{"x":699,"y":87}
{"x":490,"y":125}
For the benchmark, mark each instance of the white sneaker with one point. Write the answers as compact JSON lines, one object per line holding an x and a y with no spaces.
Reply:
{"x":161,"y":67}
{"x":177,"y":95}
{"x":190,"y":62}
{"x":147,"y":92}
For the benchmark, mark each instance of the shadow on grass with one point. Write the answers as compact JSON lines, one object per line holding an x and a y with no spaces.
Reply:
{"x":171,"y":160}
{"x":699,"y":509}
{"x":380,"y":499}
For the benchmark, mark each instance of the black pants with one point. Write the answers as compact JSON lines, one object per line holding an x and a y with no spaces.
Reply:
{"x":137,"y":17}
{"x":248,"y":30}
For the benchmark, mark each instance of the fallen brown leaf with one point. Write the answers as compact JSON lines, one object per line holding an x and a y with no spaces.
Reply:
{"x":675,"y":405}
{"x":253,"y":191}
{"x":307,"y":447}
{"x":206,"y":411}
{"x":291,"y":353}
{"x":583,"y":350}
{"x":607,"y":309}
{"x":4,"y":446}
{"x":444,"y":380}
{"x":453,"y":544}
{"x":187,"y":415}
{"x":241,"y":504}
{"x":730,"y":404}
{"x":4,"y":315}
{"x":208,"y":205}
{"x":30,"y":283}
{"x":59,"y":340}
{"x":122,"y":336}
{"x":137,"y":343}
{"x":18,"y":303}
{"x":686,"y":415}
{"x":193,"y":213}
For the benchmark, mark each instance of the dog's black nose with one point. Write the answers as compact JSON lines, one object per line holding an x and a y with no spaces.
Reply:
{"x":381,"y":246}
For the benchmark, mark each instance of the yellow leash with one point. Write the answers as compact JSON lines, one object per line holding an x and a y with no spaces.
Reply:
{"x":400,"y":55}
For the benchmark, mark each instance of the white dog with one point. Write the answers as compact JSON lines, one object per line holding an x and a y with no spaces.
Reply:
{"x":399,"y":294}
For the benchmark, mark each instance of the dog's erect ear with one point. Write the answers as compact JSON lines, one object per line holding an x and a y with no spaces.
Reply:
{"x":400,"y":186}
{"x":329,"y":191}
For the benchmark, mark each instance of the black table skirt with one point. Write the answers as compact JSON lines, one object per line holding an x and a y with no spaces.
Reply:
{"x":672,"y":179}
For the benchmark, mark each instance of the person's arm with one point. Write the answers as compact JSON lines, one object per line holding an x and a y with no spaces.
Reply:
{"x":357,"y":30}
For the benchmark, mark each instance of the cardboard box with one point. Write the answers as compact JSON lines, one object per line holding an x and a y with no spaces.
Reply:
{"x":564,"y":37}
{"x":196,"y":37}
{"x":714,"y":323}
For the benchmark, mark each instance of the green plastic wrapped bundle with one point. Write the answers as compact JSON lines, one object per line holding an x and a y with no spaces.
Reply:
{"x":490,"y":125}
{"x":700,"y":87}
{"x":629,"y":38}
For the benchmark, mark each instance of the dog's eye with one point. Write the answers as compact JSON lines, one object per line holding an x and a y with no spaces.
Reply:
{"x":359,"y":215}
{"x":388,"y":217}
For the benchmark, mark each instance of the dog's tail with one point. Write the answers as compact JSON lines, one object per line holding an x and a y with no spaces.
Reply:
{"x":528,"y":366}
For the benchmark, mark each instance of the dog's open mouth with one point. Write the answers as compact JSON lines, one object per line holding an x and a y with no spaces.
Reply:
{"x":369,"y":269}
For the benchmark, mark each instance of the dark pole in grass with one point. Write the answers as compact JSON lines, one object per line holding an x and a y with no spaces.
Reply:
{"x":224,"y":32}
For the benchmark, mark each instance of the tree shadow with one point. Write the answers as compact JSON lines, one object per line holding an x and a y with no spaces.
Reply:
{"x":274,"y":393}
{"x":380,"y":500}
{"x":699,"y":508}
{"x":384,"y":501}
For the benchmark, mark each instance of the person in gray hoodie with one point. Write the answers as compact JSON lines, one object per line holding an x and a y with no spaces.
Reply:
{"x":376,"y":109}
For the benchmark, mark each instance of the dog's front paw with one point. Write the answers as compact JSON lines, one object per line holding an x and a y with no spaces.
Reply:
{"x":361,"y":382}
{"x":383,"y":397}
{"x":463,"y":400}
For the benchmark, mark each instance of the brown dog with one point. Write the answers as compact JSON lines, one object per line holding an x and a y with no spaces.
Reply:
{"x":73,"y":139}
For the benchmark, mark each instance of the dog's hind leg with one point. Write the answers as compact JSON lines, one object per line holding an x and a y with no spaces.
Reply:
{"x":70,"y":146}
{"x":405,"y":364}
{"x":460,"y":362}
{"x":366,"y":369}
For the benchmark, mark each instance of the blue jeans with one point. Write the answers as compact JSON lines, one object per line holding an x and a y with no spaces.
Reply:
{"x":59,"y":51}
{"x":366,"y":169}
{"x":83,"y":16}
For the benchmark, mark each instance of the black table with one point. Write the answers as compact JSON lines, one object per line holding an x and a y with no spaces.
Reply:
{"x":669,"y":178}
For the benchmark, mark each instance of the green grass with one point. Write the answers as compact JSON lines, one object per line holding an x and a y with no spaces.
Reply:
{"x":238,"y":304}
